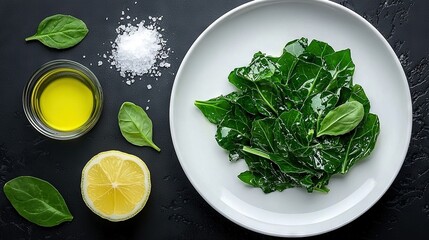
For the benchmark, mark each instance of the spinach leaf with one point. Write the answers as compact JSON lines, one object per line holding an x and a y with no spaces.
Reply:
{"x":135,"y":125}
{"x":60,"y":31}
{"x":264,"y":174}
{"x":285,"y":64}
{"x":292,"y":170}
{"x":233,"y":130}
{"x":309,"y":79}
{"x":327,"y":156}
{"x":244,"y":100}
{"x":265,"y":95}
{"x":239,"y":82}
{"x":318,"y":106}
{"x":342,"y":119}
{"x":261,"y":67}
{"x":37,"y":201}
{"x":292,"y":135}
{"x":214,"y":109}
{"x":319,"y":49}
{"x":358,"y":94}
{"x":361,"y":142}
{"x":267,"y":98}
{"x":296,"y":47}
{"x":262,"y":134}
{"x":341,"y":67}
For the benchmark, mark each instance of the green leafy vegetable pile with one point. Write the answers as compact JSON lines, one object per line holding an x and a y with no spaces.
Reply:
{"x":296,"y":119}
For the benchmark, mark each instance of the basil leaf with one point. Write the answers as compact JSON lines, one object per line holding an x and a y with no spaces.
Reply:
{"x":60,"y":31}
{"x":342,"y":119}
{"x":37,"y":201}
{"x":135,"y":125}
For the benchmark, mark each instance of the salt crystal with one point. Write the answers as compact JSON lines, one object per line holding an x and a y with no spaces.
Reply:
{"x":107,"y":18}
{"x":137,"y":49}
{"x":149,"y":86}
{"x":100,"y":63}
{"x":83,"y":56}
{"x":147,"y":108}
{"x":128,"y":17}
{"x":164,"y":64}
{"x":122,"y":13}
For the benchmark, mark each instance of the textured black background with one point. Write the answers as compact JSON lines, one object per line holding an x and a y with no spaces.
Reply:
{"x":175,"y":210}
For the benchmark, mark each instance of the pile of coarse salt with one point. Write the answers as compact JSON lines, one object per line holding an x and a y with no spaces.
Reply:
{"x":139,"y":50}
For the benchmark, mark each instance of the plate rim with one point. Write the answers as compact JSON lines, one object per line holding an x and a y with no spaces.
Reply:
{"x":259,"y":3}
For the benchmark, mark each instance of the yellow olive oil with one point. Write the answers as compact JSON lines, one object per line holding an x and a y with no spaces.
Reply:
{"x":63,"y":101}
{"x":66,"y":104}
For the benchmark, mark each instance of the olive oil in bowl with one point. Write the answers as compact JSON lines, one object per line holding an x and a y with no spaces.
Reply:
{"x":63,"y":100}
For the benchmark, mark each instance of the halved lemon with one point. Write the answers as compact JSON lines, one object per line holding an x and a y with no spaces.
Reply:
{"x":115,"y":185}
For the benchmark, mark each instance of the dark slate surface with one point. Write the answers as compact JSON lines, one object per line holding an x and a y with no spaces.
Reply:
{"x":175,"y":210}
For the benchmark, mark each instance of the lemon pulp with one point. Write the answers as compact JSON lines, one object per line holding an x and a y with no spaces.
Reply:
{"x":115,"y":185}
{"x":66,"y":104}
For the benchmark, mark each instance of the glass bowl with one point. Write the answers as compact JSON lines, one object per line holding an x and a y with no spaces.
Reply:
{"x":45,"y":75}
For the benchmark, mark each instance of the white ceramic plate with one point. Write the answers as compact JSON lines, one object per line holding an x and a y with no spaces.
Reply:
{"x":267,"y":26}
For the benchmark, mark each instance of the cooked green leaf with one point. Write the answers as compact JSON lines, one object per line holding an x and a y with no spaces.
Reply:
{"x":233,"y":131}
{"x":319,"y":49}
{"x":309,"y":79}
{"x":361,"y":143}
{"x":214,"y":109}
{"x":60,"y":31}
{"x":296,"y":47}
{"x":358,"y":94}
{"x":296,"y":119}
{"x":263,"y":135}
{"x":37,"y":201}
{"x":341,"y":67}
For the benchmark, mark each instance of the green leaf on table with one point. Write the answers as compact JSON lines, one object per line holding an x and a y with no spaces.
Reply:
{"x":135,"y":125}
{"x":60,"y":31}
{"x":37,"y":201}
